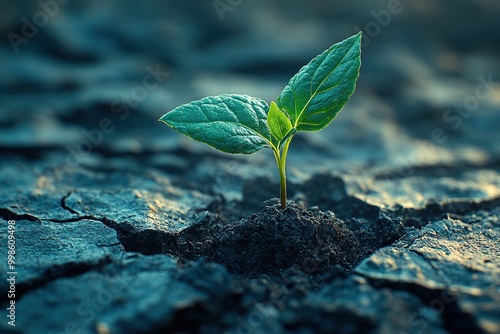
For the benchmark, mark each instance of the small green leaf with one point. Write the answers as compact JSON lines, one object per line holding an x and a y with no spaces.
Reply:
{"x":278,"y":122}
{"x":230,"y":123}
{"x":315,"y":95}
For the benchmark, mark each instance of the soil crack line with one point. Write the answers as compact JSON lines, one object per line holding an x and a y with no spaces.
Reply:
{"x":66,"y":270}
{"x":66,"y":207}
{"x":9,"y":215}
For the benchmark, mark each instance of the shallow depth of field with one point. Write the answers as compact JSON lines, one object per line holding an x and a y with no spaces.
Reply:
{"x":118,"y":224}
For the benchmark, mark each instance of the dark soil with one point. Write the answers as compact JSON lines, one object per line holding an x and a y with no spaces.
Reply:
{"x":311,"y":241}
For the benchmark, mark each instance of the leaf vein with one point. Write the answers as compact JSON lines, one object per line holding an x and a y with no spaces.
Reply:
{"x":329,"y":74}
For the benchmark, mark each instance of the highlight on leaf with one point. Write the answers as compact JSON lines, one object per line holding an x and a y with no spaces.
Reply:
{"x":230,"y":123}
{"x":279,"y":123}
{"x":316,"y":94}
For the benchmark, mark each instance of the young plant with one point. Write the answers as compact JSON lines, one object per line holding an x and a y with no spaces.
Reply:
{"x":235,"y":123}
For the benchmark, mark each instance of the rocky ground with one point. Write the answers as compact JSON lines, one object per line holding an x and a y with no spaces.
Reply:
{"x":124,"y":226}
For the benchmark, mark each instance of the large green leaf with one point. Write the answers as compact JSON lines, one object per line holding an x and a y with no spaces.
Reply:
{"x":230,"y":123}
{"x":315,"y":95}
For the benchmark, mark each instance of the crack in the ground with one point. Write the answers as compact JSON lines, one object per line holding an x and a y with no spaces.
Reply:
{"x":434,"y":211}
{"x":106,"y":221}
{"x":7,"y":214}
{"x":128,"y":237}
{"x":442,"y":301}
{"x":66,"y":207}
{"x":69,"y":269}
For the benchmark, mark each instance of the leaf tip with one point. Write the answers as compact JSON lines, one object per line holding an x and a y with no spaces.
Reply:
{"x":163,"y":119}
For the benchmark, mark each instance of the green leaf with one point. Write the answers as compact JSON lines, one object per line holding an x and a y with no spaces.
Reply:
{"x":278,"y":122}
{"x":230,"y":123}
{"x":315,"y":95}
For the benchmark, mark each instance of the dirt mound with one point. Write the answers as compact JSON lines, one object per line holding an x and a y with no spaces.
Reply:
{"x":311,"y":241}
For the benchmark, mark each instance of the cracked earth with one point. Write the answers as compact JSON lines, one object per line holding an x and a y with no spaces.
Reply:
{"x":387,"y":231}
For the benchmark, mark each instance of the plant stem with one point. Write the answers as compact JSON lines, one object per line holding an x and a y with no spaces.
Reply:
{"x":280,"y":155}
{"x":282,"y":170}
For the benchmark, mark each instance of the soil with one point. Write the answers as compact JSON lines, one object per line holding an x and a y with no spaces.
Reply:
{"x":124,"y":226}
{"x":311,"y":241}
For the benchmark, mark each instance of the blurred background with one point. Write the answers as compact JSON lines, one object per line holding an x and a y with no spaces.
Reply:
{"x":83,"y":83}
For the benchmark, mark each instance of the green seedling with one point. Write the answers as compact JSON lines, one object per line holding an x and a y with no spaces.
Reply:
{"x":236,"y":123}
